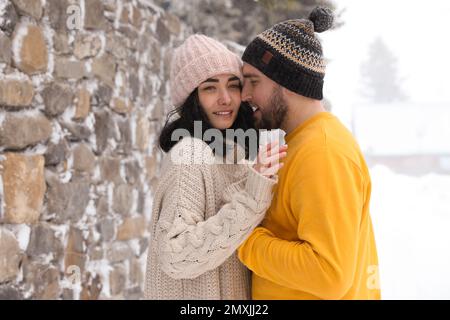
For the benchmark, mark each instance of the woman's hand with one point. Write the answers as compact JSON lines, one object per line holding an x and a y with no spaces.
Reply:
{"x":268,"y":161}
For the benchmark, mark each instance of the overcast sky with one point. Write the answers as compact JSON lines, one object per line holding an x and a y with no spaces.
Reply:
{"x":417,"y":32}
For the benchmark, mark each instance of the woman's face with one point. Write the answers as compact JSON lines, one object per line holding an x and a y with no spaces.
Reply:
{"x":220,"y":98}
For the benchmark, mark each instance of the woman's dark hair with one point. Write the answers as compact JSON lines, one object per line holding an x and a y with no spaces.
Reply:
{"x":191,"y":111}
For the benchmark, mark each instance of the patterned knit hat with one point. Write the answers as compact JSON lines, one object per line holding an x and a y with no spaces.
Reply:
{"x":196,"y":60}
{"x":290,"y":54}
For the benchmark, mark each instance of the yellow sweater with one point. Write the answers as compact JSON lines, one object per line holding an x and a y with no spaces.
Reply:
{"x":317,"y":240}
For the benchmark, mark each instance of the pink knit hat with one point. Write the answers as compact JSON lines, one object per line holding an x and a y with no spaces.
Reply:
{"x":196,"y":60}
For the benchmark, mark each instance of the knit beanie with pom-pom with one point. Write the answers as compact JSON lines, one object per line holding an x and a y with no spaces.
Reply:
{"x":290,"y":53}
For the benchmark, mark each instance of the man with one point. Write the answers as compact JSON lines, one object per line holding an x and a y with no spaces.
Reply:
{"x":317,"y":240}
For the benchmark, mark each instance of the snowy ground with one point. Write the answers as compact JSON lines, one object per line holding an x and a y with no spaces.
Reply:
{"x":411,"y":217}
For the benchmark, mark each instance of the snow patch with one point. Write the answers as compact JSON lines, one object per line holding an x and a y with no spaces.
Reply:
{"x":90,"y":121}
{"x":57,"y":133}
{"x":150,"y":4}
{"x":65,"y":176}
{"x":83,"y":13}
{"x":133,"y":119}
{"x":69,"y":113}
{"x":46,"y":258}
{"x":119,"y":82}
{"x":88,"y":65}
{"x":83,"y":225}
{"x":2,"y":8}
{"x":148,"y":205}
{"x":71,"y":38}
{"x":102,"y":37}
{"x":25,"y":113}
{"x":411,"y":216}
{"x":96,"y":235}
{"x":135,"y":201}
{"x":91,"y":86}
{"x":21,"y":33}
{"x":96,"y":175}
{"x":2,"y":11}
{"x":90,"y":209}
{"x":61,"y":232}
{"x":118,"y":14}
{"x":122,"y":172}
{"x":112,"y":143}
{"x":2,"y":117}
{"x":39,"y":149}
{"x":21,"y":232}
{"x":135,"y":246}
{"x":110,"y":195}
{"x":15,"y":75}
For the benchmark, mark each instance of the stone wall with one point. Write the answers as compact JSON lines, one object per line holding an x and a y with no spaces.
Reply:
{"x":240,"y":20}
{"x":83,"y":85}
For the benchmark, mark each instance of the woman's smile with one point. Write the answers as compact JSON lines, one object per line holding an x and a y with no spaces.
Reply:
{"x":227,"y":114}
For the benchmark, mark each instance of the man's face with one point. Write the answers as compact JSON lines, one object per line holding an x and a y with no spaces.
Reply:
{"x":265,"y":97}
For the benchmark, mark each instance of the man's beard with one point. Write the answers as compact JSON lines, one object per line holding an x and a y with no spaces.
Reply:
{"x":275,"y":113}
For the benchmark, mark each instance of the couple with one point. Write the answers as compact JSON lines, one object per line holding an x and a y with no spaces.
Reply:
{"x":301,"y":226}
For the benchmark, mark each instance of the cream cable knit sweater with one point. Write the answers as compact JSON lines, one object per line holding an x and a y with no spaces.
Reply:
{"x":202,"y":211}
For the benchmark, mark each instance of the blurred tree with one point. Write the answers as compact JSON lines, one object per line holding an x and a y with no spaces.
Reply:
{"x":380,"y":76}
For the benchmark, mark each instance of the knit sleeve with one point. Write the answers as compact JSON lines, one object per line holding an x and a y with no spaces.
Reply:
{"x":190,"y":245}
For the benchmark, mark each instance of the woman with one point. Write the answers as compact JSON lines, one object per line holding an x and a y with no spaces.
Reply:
{"x":203,"y":209}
